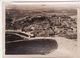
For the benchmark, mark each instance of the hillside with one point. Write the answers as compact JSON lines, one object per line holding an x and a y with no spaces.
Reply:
{"x":43,"y":23}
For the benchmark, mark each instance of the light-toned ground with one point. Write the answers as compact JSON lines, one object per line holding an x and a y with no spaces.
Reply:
{"x":66,"y":47}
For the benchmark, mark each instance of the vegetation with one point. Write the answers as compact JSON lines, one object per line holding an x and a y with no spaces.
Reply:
{"x":43,"y":23}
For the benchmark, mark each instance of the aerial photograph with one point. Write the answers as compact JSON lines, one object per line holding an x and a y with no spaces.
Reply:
{"x":41,"y":29}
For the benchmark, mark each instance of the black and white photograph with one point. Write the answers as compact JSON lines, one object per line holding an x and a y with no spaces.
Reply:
{"x":46,"y":29}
